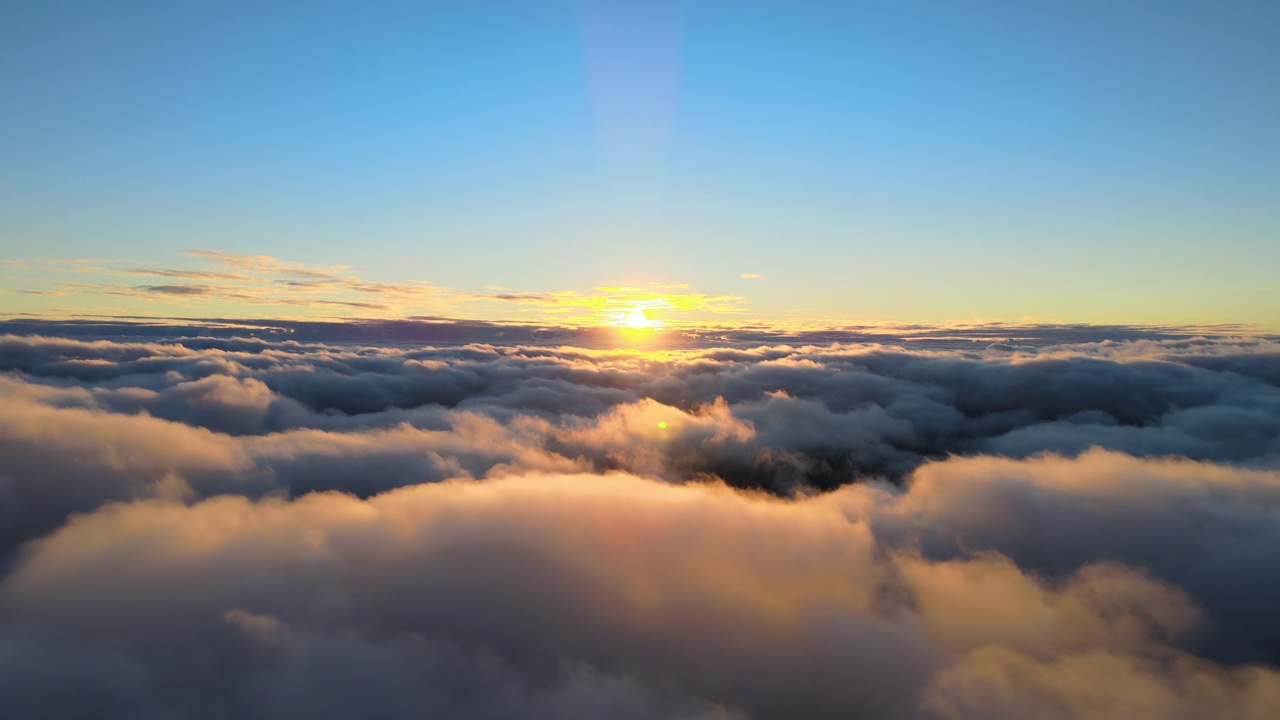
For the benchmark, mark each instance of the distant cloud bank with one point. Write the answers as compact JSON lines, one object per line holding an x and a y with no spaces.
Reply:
{"x":471,"y":520}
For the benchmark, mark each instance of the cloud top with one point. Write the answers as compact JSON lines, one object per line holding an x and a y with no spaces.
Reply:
{"x":256,"y":527}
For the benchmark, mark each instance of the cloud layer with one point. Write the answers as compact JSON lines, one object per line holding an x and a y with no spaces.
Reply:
{"x":236,"y":526}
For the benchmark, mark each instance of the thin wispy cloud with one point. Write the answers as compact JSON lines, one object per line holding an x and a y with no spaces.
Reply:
{"x":252,"y":285}
{"x":266,"y":265}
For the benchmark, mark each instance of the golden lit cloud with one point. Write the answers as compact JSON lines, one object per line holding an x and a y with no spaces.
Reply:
{"x":232,"y":285}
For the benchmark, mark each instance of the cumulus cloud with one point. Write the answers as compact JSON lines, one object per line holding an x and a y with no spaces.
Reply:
{"x":724,"y":601}
{"x":243,"y":526}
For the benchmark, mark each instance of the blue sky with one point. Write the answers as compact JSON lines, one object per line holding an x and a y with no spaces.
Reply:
{"x":934,"y":161}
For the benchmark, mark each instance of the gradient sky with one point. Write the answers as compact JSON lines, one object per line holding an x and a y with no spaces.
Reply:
{"x":896,"y":161}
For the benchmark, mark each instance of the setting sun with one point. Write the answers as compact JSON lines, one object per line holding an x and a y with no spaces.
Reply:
{"x":638,"y":320}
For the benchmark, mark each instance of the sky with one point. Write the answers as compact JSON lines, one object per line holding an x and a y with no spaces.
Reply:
{"x":707,"y":162}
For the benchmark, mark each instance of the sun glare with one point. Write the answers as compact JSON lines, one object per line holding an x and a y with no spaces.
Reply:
{"x":638,"y":320}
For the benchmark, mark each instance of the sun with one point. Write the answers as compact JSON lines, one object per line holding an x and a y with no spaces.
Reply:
{"x":638,"y":320}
